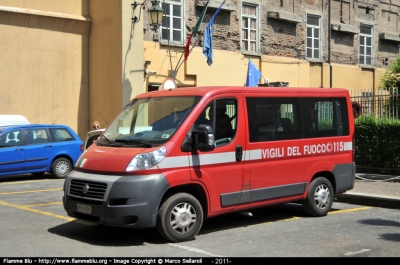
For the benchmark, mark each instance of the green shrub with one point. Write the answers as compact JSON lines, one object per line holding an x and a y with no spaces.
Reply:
{"x":377,"y":142}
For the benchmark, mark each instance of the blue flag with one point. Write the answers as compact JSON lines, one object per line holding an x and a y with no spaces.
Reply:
{"x":207,"y":45}
{"x":253,"y":75}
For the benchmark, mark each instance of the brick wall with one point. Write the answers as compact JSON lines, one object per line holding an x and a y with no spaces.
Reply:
{"x":287,"y":39}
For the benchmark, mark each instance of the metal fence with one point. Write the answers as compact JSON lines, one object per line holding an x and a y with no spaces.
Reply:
{"x":382,"y":103}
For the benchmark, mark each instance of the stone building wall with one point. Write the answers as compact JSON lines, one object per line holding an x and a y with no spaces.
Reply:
{"x":287,"y":39}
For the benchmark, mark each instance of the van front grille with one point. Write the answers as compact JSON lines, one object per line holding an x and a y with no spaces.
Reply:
{"x":88,"y":189}
{"x":86,"y":201}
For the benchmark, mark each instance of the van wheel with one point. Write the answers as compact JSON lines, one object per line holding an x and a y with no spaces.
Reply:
{"x":319,"y":197}
{"x":180,"y":218}
{"x":61,"y":167}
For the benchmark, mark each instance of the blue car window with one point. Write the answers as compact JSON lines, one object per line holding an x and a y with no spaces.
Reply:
{"x":37,"y":136}
{"x":61,"y":135}
{"x":11,"y":139}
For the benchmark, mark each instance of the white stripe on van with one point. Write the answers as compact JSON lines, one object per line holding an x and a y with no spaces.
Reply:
{"x":254,"y":154}
{"x":175,"y":161}
{"x":197,"y":160}
{"x":219,"y":158}
{"x":210,"y":159}
{"x":348,"y":146}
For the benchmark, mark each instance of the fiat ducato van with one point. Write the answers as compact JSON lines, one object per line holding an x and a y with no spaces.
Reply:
{"x":174,"y":157}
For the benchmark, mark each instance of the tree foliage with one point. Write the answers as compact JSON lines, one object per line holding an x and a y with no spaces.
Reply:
{"x":391,"y":77}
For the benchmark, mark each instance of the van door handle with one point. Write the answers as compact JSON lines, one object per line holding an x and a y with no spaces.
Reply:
{"x":239,"y":153}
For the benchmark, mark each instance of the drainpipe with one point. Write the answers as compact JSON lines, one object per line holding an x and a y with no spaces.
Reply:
{"x":341,"y":11}
{"x":329,"y":43}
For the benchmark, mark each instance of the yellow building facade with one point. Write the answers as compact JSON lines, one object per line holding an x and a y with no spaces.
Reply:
{"x":75,"y":61}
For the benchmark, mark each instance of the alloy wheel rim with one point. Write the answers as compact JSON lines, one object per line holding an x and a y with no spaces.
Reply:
{"x":322,"y":196}
{"x":183,"y":218}
{"x":62,"y":168}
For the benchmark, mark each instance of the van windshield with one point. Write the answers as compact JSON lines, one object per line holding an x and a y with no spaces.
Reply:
{"x":148,"y":122}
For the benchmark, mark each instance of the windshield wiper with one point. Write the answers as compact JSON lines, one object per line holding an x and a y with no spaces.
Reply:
{"x":109,"y":141}
{"x":140,"y":142}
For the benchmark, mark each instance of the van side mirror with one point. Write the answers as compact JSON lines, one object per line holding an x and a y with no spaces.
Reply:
{"x":203,"y":138}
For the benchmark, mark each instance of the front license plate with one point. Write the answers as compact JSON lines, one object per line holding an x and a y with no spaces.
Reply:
{"x":84,"y":208}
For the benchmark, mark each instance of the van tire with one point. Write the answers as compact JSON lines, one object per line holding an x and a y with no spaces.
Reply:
{"x":61,"y":167}
{"x":187,"y":208}
{"x":319,"y":197}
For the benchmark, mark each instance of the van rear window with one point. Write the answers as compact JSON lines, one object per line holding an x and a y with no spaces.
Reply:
{"x":272,"y":119}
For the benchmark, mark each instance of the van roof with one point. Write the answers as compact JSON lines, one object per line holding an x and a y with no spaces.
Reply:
{"x":211,"y":90}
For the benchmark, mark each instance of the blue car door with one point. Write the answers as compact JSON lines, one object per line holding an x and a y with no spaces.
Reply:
{"x":38,"y":150}
{"x":11,"y":153}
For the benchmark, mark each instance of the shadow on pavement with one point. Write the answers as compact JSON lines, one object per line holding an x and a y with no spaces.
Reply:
{"x":380,"y":222}
{"x":23,"y":177}
{"x":395,"y":237}
{"x":102,"y":235}
{"x":114,"y":236}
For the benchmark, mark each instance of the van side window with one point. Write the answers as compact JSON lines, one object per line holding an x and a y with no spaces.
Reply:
{"x":273,"y":119}
{"x":205,"y":117}
{"x":324,"y":117}
{"x":223,"y":120}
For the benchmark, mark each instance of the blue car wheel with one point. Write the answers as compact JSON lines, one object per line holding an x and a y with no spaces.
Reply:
{"x":61,"y":167}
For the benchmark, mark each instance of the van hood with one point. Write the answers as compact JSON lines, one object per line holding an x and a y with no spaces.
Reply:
{"x":107,"y":159}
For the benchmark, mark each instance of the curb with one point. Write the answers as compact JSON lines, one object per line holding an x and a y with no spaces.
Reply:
{"x":369,"y":200}
{"x":377,"y":170}
{"x":377,"y":177}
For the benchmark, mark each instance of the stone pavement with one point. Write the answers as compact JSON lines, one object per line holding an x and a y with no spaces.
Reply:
{"x":373,"y":190}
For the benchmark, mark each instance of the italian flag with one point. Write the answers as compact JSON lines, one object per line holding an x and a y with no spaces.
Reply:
{"x":196,"y":28}
{"x":81,"y":162}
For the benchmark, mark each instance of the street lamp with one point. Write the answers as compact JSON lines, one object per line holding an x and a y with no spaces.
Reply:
{"x":155,"y":13}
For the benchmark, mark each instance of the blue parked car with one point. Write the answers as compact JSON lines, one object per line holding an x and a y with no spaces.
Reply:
{"x":36,"y":149}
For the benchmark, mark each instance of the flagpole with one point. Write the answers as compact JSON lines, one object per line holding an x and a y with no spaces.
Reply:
{"x":176,"y":67}
{"x":179,"y":64}
{"x":208,"y":32}
{"x":195,"y":43}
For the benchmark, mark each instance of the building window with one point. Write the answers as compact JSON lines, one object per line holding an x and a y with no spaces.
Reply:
{"x":172,"y":23}
{"x":365,"y":46}
{"x":313,"y":37}
{"x":250,"y":28}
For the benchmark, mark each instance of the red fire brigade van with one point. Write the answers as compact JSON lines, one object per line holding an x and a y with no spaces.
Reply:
{"x":174,"y":157}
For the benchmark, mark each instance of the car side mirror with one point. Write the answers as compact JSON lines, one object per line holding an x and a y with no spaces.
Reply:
{"x":203,"y":138}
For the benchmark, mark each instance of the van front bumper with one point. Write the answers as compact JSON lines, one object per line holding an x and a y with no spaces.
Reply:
{"x":127,"y":201}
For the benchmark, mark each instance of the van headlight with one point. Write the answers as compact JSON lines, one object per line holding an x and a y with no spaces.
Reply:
{"x":147,"y":160}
